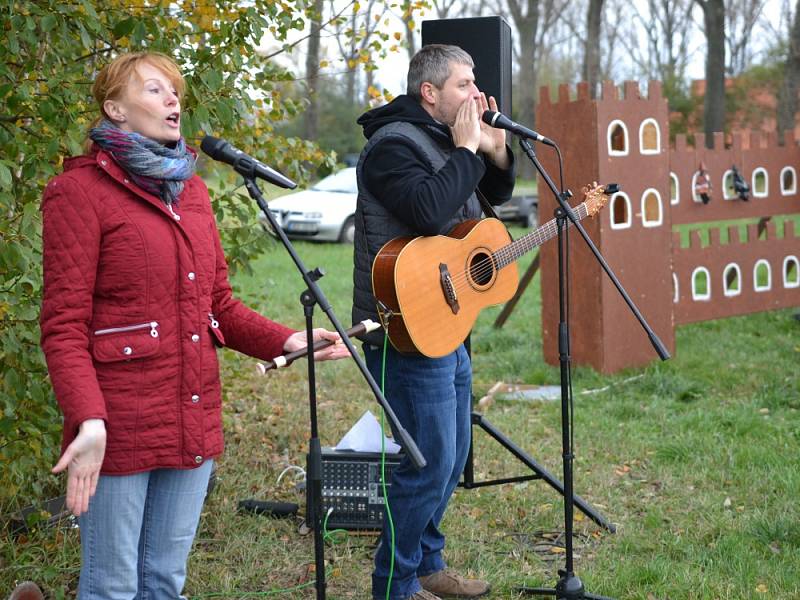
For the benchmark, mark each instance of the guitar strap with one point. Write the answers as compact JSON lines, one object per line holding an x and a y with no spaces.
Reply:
{"x":488,"y":209}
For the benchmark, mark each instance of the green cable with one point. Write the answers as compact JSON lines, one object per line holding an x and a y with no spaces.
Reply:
{"x":383,"y":471}
{"x":328,"y":535}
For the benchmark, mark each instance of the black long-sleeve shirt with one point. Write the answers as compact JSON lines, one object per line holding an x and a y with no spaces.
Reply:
{"x":397,"y":174}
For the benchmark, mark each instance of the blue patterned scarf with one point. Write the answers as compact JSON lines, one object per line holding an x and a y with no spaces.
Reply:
{"x":154,"y":167}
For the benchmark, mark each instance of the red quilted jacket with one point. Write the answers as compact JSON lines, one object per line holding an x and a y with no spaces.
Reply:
{"x":135,"y":299}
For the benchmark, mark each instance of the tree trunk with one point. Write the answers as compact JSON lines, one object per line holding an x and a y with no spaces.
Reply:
{"x":409,"y":24}
{"x":311,"y":115}
{"x":714,"y":102}
{"x":527,"y":24}
{"x":591,"y":55}
{"x":787,"y":100}
{"x":370,"y":83}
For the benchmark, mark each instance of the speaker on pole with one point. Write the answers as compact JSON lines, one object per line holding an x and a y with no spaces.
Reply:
{"x":488,"y":42}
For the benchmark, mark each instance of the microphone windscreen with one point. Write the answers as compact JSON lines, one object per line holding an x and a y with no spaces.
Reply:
{"x":489,"y":116}
{"x":212,"y":146}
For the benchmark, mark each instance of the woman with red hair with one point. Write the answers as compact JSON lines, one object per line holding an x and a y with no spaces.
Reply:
{"x":136,"y":302}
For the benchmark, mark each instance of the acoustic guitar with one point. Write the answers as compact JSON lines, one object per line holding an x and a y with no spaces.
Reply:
{"x":431,"y":289}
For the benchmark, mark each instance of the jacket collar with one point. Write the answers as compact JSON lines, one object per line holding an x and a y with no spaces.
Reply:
{"x":105,"y":162}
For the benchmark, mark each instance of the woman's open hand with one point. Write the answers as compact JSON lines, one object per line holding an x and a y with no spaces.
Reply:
{"x":83,"y":459}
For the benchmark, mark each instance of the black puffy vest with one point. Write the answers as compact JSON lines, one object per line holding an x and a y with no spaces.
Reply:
{"x":375,"y":225}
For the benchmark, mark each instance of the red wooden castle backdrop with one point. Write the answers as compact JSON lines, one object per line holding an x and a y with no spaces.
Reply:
{"x":736,"y":270}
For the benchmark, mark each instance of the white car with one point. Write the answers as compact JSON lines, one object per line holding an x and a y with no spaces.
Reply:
{"x":324,"y":212}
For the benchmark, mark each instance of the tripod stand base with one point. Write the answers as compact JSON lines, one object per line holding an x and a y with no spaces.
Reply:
{"x":553,"y":592}
{"x":539,"y":471}
{"x":569,"y":587}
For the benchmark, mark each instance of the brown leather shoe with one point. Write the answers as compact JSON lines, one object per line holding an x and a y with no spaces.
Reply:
{"x":27,"y":590}
{"x":424,"y":595}
{"x":449,"y":584}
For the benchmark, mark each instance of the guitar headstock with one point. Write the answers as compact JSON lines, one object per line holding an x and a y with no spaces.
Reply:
{"x":595,"y":196}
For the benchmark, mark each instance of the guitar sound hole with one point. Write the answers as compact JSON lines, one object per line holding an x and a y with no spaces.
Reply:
{"x":481,"y":269}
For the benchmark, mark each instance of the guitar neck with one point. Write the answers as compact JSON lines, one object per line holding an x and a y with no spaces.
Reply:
{"x":510,"y":253}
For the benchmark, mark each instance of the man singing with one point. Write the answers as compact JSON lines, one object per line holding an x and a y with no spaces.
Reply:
{"x":427,"y":153}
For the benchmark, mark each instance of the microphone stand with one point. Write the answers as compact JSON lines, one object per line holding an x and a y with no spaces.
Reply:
{"x":313,"y":295}
{"x":569,"y":585}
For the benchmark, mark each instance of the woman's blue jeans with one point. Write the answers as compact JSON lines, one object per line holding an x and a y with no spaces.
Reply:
{"x":432,"y":400}
{"x":136,"y":536}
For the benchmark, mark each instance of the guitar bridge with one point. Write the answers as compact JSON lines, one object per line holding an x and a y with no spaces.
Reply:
{"x":448,"y":289}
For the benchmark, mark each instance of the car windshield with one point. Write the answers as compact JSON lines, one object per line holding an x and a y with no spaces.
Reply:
{"x":343,"y":181}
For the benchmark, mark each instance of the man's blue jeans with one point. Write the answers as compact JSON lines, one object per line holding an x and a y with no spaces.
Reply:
{"x":137,"y":534}
{"x":431,"y":397}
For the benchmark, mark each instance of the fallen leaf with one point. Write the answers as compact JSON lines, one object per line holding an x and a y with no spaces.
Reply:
{"x":761,"y":588}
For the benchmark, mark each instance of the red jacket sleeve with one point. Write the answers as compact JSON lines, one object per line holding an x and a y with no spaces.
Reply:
{"x":71,"y":246}
{"x":244,"y":329}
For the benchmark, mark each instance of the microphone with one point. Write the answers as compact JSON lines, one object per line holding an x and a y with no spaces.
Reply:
{"x":500,"y":121}
{"x":242,"y":163}
{"x":268,"y":508}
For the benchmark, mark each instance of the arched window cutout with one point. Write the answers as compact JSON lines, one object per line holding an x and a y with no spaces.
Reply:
{"x":652,"y":212}
{"x":762,"y":276}
{"x":788,"y":181}
{"x":620,"y":211}
{"x":701,"y":284}
{"x":732,"y":280}
{"x":728,"y":191}
{"x":695,"y":196}
{"x":649,"y":137}
{"x":760,"y":186}
{"x":791,"y":272}
{"x":674,"y":189}
{"x":617,"y":138}
{"x":675,"y":290}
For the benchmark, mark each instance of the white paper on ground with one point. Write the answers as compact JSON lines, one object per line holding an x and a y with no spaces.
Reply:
{"x":365,"y":436}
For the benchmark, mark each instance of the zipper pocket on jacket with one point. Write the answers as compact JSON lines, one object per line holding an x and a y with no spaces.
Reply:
{"x":153,"y":325}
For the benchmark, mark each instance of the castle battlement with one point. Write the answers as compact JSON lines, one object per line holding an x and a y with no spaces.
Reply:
{"x":737,"y":141}
{"x":609,"y":93}
{"x":623,"y":137}
{"x":756,"y":233}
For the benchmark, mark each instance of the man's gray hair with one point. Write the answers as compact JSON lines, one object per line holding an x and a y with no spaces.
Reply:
{"x":432,"y":64}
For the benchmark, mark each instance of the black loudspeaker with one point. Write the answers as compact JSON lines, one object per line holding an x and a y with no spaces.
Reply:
{"x":488,"y":42}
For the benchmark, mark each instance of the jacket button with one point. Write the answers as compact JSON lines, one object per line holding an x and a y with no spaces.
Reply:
{"x":198,"y":459}
{"x":195,"y":398}
{"x":126,"y":180}
{"x":191,"y":276}
{"x":195,"y":337}
{"x":127,"y":350}
{"x":104,"y":163}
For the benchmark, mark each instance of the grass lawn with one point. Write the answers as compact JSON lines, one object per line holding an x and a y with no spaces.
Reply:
{"x":695,"y":460}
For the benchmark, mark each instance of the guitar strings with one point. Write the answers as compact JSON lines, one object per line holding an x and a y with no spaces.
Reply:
{"x":501,"y":257}
{"x":511,"y":251}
